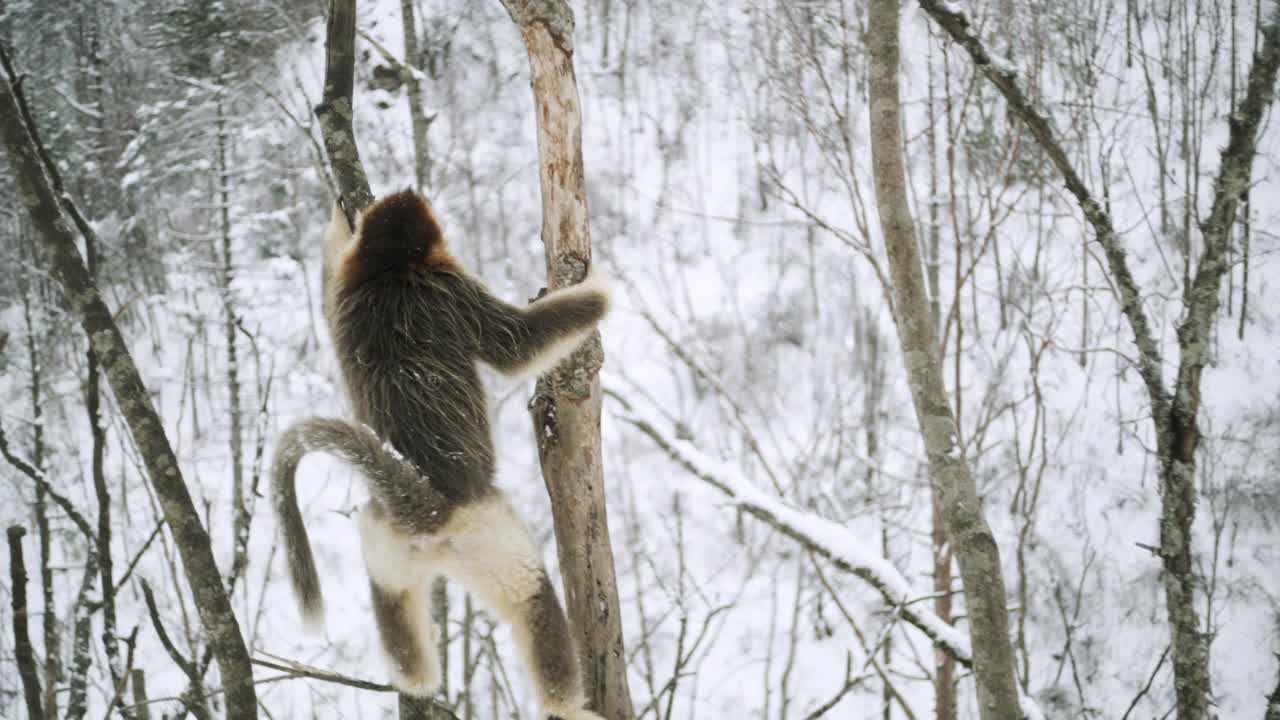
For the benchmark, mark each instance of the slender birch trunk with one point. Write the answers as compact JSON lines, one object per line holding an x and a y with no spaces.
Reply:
{"x":411,"y":71}
{"x":975,"y":546}
{"x":944,"y":664}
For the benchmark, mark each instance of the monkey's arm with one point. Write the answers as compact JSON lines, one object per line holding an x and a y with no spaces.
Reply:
{"x":531,"y":340}
{"x":408,"y":499}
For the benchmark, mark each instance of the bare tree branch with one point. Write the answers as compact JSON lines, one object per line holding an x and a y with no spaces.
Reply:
{"x":84,"y":300}
{"x":336,"y":109}
{"x":187,"y":666}
{"x":125,"y":711}
{"x":889,"y":685}
{"x":1174,"y":414}
{"x":37,"y":477}
{"x":133,"y":564}
{"x":820,"y":536}
{"x":1146,"y":688}
{"x":81,"y":649}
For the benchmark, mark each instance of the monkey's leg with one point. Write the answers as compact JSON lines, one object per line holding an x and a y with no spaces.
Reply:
{"x":408,"y":638}
{"x":399,"y":574}
{"x":489,"y":551}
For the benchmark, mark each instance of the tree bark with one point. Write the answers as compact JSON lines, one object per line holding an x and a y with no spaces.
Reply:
{"x":975,"y":546}
{"x":566,"y":404}
{"x":240,"y":516}
{"x":944,"y":665}
{"x":1273,"y":703}
{"x":412,"y":80}
{"x":335,"y":111}
{"x":138,"y":684}
{"x":52,"y":637}
{"x":1177,"y":455}
{"x":23,"y":654}
{"x":134,"y":401}
{"x":1173,"y":414}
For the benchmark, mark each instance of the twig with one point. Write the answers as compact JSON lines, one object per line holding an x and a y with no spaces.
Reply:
{"x":297,"y":669}
{"x":862,"y":639}
{"x":37,"y":477}
{"x":317,"y":150}
{"x":1146,"y":688}
{"x":178,"y":659}
{"x":739,"y":414}
{"x":814,"y":533}
{"x":189,"y":699}
{"x":850,"y":683}
{"x":132,"y":642}
{"x":128,"y":572}
{"x":302,"y":670}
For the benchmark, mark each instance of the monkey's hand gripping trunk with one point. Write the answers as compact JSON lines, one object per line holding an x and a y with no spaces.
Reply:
{"x":394,"y":483}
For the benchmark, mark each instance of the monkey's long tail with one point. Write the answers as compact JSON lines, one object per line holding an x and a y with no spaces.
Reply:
{"x":393,"y":480}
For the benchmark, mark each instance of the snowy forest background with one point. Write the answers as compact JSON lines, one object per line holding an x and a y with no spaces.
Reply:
{"x":728,"y":170}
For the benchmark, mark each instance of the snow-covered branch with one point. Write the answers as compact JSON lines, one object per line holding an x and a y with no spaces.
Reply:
{"x":823,"y":537}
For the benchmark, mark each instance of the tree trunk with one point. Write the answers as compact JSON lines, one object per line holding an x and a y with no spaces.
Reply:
{"x":566,"y":405}
{"x":138,"y":683}
{"x":1181,"y":434}
{"x":52,"y":635}
{"x":23,"y":654}
{"x":1273,"y":704}
{"x":335,"y":110}
{"x":240,"y":518}
{"x":975,"y":547}
{"x":944,"y":664}
{"x":1174,"y":415}
{"x":412,"y":79}
{"x":84,"y":302}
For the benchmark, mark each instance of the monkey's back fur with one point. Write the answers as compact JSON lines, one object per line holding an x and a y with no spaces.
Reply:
{"x":408,"y":343}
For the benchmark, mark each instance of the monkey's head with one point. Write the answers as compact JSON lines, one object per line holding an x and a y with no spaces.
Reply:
{"x":398,"y":234}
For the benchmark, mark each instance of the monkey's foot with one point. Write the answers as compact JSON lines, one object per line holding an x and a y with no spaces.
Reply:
{"x":569,"y":713}
{"x":421,"y":681}
{"x":313,"y":620}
